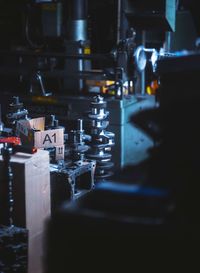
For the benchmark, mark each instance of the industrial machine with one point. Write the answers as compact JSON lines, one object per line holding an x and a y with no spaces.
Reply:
{"x":61,"y":73}
{"x":58,"y":63}
{"x":96,"y":84}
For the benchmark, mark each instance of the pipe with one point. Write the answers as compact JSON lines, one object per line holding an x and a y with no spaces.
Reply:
{"x":77,"y":11}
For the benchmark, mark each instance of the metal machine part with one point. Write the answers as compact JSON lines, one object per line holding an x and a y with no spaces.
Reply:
{"x":123,"y":55}
{"x":10,"y":146}
{"x":52,"y":16}
{"x":101,"y":140}
{"x":70,"y":182}
{"x":7,"y":187}
{"x":14,"y":249}
{"x":76,"y":43}
{"x":16,"y":112}
{"x":76,"y":143}
{"x":14,"y":240}
{"x":73,"y":176}
{"x":77,"y":20}
{"x":140,"y":58}
{"x":1,"y":123}
{"x":37,"y":85}
{"x":78,"y":30}
{"x":151,"y":14}
{"x":143,"y":55}
{"x":53,"y":123}
{"x":131,"y":143}
{"x":75,"y":66}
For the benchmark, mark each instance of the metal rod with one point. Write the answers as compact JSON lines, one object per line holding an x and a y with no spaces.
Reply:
{"x":57,"y":73}
{"x":1,"y":123}
{"x":143,"y":87}
{"x":118,"y":21}
{"x":167,"y":44}
{"x":58,"y":55}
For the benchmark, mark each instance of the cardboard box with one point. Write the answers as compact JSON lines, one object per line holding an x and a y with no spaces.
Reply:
{"x":32,"y":133}
{"x":60,"y":152}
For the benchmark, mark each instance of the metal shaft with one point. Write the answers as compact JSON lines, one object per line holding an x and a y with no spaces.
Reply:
{"x":101,"y":140}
